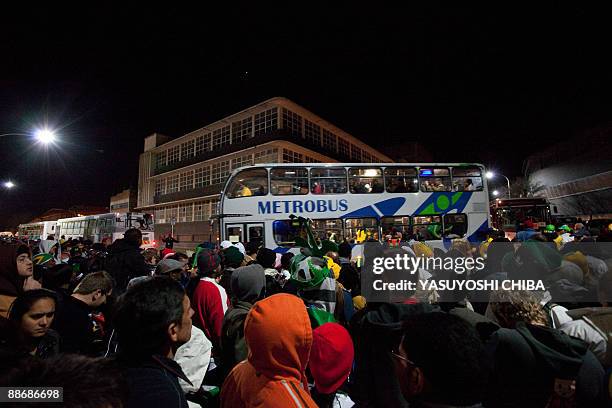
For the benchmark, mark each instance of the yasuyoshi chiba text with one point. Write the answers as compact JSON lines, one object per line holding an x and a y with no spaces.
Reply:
{"x":470,"y":285}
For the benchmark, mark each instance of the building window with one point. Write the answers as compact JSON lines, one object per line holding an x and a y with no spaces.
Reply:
{"x":202,"y":143}
{"x":160,"y":159}
{"x":329,"y":141}
{"x":186,"y":181}
{"x":221,"y":137}
{"x":308,"y":159}
{"x":199,"y":212}
{"x":171,"y":213}
{"x":160,"y":186}
{"x":242,"y":161}
{"x":160,"y":215}
{"x":185,"y":212}
{"x":242,"y":129}
{"x":187,"y":149}
{"x":343,"y":147}
{"x":266,"y":121}
{"x":366,"y":157}
{"x":312,"y":132}
{"x":266,"y":156}
{"x":292,"y":122}
{"x":355,"y":154}
{"x":173,"y":154}
{"x":292,"y":157}
{"x":202,"y":177}
{"x":173,"y":183}
{"x":220,"y":171}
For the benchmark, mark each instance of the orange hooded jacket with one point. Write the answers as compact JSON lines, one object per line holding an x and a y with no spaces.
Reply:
{"x":278,"y":333}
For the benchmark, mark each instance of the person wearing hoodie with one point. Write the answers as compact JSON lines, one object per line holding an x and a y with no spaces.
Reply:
{"x":534,"y":365}
{"x":16,"y":269}
{"x":279,"y":337}
{"x":248,"y":286}
{"x":125,"y":261}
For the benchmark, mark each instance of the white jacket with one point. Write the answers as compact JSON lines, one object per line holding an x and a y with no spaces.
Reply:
{"x":194,"y":357}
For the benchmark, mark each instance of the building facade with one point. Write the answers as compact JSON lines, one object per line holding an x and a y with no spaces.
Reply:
{"x":576,"y":175}
{"x":180,"y":179}
{"x":124,"y":202}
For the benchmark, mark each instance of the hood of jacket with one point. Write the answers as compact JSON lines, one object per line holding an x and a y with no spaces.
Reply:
{"x":10,"y":282}
{"x":558,"y":352}
{"x":248,"y":282}
{"x":278,"y":333}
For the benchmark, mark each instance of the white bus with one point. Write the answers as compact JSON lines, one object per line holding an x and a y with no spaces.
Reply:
{"x":102,"y":226}
{"x":37,"y":230}
{"x":430,"y":202}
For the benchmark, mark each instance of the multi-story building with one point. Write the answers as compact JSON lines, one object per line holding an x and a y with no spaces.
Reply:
{"x":124,"y":202}
{"x":180,"y":179}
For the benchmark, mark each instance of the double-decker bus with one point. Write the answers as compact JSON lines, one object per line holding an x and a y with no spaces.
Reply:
{"x":430,"y":202}
{"x":107,"y":226}
{"x":37,"y":230}
{"x":509,"y":215}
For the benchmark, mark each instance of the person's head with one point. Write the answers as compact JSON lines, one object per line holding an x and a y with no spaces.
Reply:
{"x":512,"y":306}
{"x":33,"y":312}
{"x":344,"y":250}
{"x":440,"y":360}
{"x":232,"y":257}
{"x":151,"y":256}
{"x":331,"y":357}
{"x":58,"y":276}
{"x":169,"y":267}
{"x":334,"y":256}
{"x":153,"y":317}
{"x":15,"y":266}
{"x":266,"y":257}
{"x":209,"y":263}
{"x":94,"y":288}
{"x":181,"y":257}
{"x":279,"y":336}
{"x":248,"y":283}
{"x":87,"y":382}
{"x":468,"y":182}
{"x":251,"y":248}
{"x":133,"y":236}
{"x":286,"y":260}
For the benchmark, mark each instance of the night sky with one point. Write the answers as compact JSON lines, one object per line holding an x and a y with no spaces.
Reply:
{"x":488,"y":84}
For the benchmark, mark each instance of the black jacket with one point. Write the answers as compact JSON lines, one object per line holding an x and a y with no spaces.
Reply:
{"x":528,"y":360}
{"x":154,"y":383}
{"x":73,"y":323}
{"x":125,"y":262}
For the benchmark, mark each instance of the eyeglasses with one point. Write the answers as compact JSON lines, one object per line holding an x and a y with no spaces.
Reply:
{"x":400,"y":357}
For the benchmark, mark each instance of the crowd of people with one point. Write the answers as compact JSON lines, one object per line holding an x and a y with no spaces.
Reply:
{"x":239,"y":325}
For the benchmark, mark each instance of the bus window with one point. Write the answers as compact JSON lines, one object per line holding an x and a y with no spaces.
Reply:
{"x":289,"y":181}
{"x":285,"y":231}
{"x":360,"y":229}
{"x":467,"y":179}
{"x":365,"y":180}
{"x":427,"y":228}
{"x":328,"y":229}
{"x":251,"y":182}
{"x":455,"y":225}
{"x":327,"y":180}
{"x":435,"y":179}
{"x":401,"y":180}
{"x":397,"y":227}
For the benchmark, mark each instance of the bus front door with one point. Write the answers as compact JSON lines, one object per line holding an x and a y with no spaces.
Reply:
{"x":255,"y":233}
{"x":245,"y":232}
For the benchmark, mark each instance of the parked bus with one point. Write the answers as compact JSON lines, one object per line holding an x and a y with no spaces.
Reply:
{"x":509,"y":215}
{"x":430,"y":202}
{"x":107,"y":226}
{"x":37,"y":230}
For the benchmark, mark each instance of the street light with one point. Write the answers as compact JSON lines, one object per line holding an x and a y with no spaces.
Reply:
{"x":44,"y":136}
{"x":9,"y":184}
{"x":490,"y":175}
{"x":495,"y":193}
